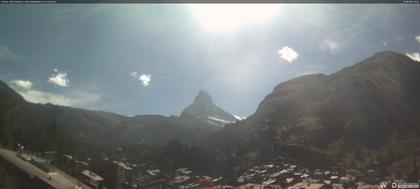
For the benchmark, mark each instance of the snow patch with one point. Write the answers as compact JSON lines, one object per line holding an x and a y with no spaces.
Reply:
{"x":239,"y":117}
{"x":219,"y":120}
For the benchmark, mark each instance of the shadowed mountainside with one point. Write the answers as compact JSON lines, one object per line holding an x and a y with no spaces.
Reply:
{"x":40,"y":126}
{"x":365,"y":113}
{"x":362,"y":116}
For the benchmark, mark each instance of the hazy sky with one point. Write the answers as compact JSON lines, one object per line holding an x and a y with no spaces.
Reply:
{"x":153,"y":59}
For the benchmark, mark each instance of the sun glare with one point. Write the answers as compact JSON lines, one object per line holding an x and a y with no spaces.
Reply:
{"x":232,"y":17}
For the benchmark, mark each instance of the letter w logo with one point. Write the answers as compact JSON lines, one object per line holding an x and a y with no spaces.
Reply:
{"x":383,"y":184}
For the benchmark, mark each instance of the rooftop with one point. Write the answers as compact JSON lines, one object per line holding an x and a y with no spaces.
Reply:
{"x":122,"y":165}
{"x":91,"y":175}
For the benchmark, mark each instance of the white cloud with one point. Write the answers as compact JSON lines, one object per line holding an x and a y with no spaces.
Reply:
{"x":144,"y":78}
{"x":134,"y":74}
{"x":418,"y":38}
{"x":26,"y":84}
{"x":414,"y":56}
{"x":59,"y":78}
{"x":36,"y":96}
{"x":308,"y":72}
{"x":77,"y":98}
{"x":6,"y":53}
{"x":330,"y":45}
{"x":80,"y":99}
{"x":288,"y":54}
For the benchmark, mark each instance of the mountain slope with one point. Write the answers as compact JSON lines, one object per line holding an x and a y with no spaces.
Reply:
{"x":39,"y":126}
{"x":8,"y":99}
{"x":195,"y":123}
{"x":355,"y":116}
{"x":203,"y":109}
{"x":45,"y":127}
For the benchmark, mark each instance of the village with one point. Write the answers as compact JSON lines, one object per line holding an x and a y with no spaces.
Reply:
{"x":278,"y":176}
{"x":283,"y":173}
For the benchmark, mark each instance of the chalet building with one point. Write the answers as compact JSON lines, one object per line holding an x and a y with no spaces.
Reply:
{"x":19,"y":171}
{"x":68,"y":164}
{"x":122,"y":175}
{"x":92,"y":179}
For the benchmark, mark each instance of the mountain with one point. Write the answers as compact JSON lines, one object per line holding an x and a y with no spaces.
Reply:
{"x":195,"y":123}
{"x":204,"y":110}
{"x":44,"y":126}
{"x":365,"y":113}
{"x":362,"y":116}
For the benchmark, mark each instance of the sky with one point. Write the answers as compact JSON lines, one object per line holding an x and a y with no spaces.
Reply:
{"x":137,"y":59}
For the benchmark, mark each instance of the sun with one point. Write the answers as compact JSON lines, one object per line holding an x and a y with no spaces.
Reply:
{"x":232,"y":17}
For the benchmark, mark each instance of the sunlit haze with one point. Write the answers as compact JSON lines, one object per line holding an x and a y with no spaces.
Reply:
{"x":137,"y":59}
{"x":232,"y":17}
